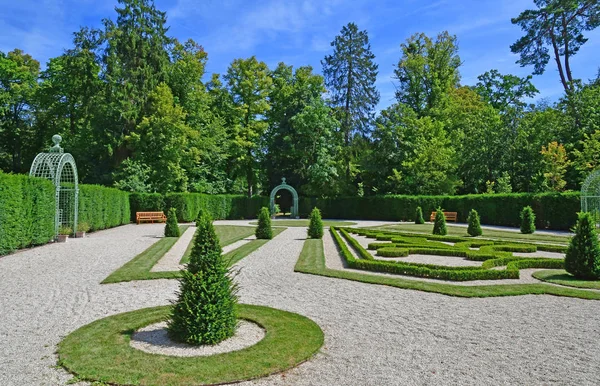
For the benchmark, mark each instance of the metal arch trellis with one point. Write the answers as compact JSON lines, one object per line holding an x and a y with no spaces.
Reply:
{"x":284,"y":185}
{"x":60,"y":168}
{"x":590,"y":194}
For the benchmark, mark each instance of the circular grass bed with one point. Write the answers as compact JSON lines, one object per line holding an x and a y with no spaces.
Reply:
{"x":100,"y":351}
{"x":561,"y":277}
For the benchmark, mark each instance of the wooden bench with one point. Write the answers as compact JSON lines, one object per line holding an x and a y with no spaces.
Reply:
{"x":450,"y":216}
{"x":150,"y":216}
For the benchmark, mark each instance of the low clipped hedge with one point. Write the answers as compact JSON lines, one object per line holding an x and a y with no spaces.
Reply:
{"x":103,"y":207}
{"x":552,"y":210}
{"x":27,"y":210}
{"x":491,"y":255}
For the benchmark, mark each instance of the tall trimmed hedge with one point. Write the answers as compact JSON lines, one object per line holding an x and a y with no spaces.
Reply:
{"x":26,"y":212}
{"x":103,"y":207}
{"x":553,"y":210}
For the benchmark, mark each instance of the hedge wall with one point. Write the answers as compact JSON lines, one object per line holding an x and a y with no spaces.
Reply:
{"x":552,"y":210}
{"x":103,"y":207}
{"x":188,"y":204}
{"x":26,"y":212}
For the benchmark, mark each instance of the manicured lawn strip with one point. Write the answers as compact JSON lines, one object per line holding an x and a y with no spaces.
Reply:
{"x":139,"y":267}
{"x":462,"y":231}
{"x":100,"y":351}
{"x":304,"y":223}
{"x":314,"y":263}
{"x":227,"y":234}
{"x":563,"y":278}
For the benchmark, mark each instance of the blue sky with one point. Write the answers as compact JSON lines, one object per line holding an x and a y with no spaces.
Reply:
{"x":298,"y":32}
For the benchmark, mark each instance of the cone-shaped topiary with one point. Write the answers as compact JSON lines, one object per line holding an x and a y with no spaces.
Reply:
{"x":204,"y":313}
{"x":439,"y":224}
{"x":583,"y":254}
{"x":315,"y":227}
{"x":419,"y":216}
{"x":263,"y":229}
{"x":171,"y":227}
{"x":527,"y":220}
{"x":199,"y":217}
{"x":474,"y":228}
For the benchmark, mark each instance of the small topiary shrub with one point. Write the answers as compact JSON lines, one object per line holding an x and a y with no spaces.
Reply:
{"x":172,"y":228}
{"x":315,"y":227}
{"x":419,"y":216}
{"x":527,"y":220}
{"x":204,"y":313}
{"x":583,"y":254}
{"x":263,"y":229}
{"x":474,"y":228}
{"x":439,"y":224}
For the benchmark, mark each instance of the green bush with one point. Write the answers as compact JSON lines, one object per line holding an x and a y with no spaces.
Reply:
{"x":172,"y":227}
{"x":204,"y":313}
{"x":527,"y":220}
{"x":583,"y":254}
{"x":439,"y":224}
{"x":474,"y":228}
{"x":315,"y":227}
{"x":146,"y":202}
{"x":419,"y":216}
{"x":102,"y":208}
{"x":27,"y":210}
{"x":263,"y":229}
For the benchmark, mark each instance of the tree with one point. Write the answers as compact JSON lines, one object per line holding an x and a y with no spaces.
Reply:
{"x":249,"y":84}
{"x":556,"y":25}
{"x":582,"y":259}
{"x":505,"y":92}
{"x":315,"y":227}
{"x":18,"y":87}
{"x":171,"y":227}
{"x":527,"y":220}
{"x":439,"y":224}
{"x":263,"y":229}
{"x":474,"y":228}
{"x":555,"y":165}
{"x":350,"y":75}
{"x":427,"y":71}
{"x":204,"y":313}
{"x":588,"y":158}
{"x":419,"y":216}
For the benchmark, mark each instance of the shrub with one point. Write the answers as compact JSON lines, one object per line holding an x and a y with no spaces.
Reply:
{"x":204,"y":313}
{"x":527,"y":220}
{"x":419,"y":216}
{"x":103,"y":207}
{"x":439,"y":224}
{"x":315,"y":227}
{"x":83,"y":226}
{"x":583,"y":254}
{"x":474,"y":228}
{"x":65,"y":230}
{"x":263,"y":229}
{"x":171,"y":227}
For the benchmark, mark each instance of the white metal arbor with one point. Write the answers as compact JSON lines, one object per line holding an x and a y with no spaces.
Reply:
{"x":590,"y":193}
{"x":60,"y":168}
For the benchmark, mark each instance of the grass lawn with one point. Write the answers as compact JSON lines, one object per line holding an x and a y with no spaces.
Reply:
{"x":563,"y":278}
{"x":100,"y":351}
{"x":304,"y":223}
{"x":487,"y":233}
{"x":139,"y":267}
{"x":312,"y":261}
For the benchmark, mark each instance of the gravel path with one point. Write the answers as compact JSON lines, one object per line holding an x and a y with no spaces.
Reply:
{"x":374,"y":335}
{"x":170,"y":261}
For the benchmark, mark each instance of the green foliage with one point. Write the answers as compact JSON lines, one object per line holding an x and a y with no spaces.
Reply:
{"x":439,"y":224}
{"x":263,"y":229}
{"x":26,"y":212}
{"x":103,"y":207}
{"x":527,"y":220}
{"x":419,"y":216}
{"x":171,"y":227}
{"x":474,"y":228}
{"x":83,"y":226}
{"x":204,"y":312}
{"x":65,"y":230}
{"x":315,"y":227}
{"x":583,"y":254}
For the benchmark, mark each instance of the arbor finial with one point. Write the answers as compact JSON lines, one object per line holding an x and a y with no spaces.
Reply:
{"x":56,"y":139}
{"x":283,"y":181}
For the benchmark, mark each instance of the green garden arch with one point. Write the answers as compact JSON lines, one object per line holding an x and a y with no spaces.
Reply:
{"x":284,"y":185}
{"x":60,"y":168}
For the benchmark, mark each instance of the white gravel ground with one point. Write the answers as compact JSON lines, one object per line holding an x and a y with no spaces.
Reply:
{"x":374,"y":335}
{"x":155,"y":340}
